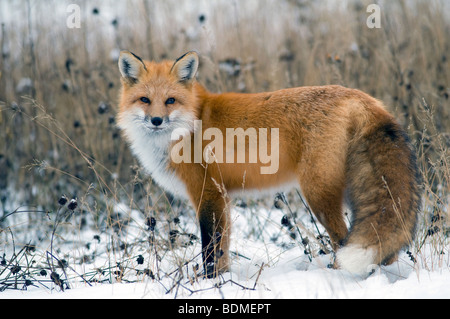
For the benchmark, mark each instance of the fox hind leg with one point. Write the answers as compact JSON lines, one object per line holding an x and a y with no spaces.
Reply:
{"x":325,"y":202}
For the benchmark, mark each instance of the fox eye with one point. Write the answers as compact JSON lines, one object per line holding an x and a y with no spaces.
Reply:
{"x":170,"y":100}
{"x":145,"y":100}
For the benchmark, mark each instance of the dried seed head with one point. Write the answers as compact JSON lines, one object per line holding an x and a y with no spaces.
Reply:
{"x":151,"y":223}
{"x":173,"y":234}
{"x":15,"y":269}
{"x":433,"y":230}
{"x":285,"y":221}
{"x":72,"y":204}
{"x":278,"y":203}
{"x":55,"y":278}
{"x":63,"y":200}
{"x":103,"y":108}
{"x":63,"y":263}
{"x":151,"y":275}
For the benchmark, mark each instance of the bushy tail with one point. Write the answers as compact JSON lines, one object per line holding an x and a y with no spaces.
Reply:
{"x":383,"y":192}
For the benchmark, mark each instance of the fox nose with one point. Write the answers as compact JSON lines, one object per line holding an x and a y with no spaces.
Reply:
{"x":156,"y":121}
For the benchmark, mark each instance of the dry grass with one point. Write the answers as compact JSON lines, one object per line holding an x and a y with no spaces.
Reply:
{"x":59,"y":86}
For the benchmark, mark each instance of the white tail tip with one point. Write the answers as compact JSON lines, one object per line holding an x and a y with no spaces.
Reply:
{"x":357,"y":260}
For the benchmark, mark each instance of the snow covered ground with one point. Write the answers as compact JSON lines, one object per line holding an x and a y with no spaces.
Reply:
{"x":268,"y":265}
{"x":290,"y":277}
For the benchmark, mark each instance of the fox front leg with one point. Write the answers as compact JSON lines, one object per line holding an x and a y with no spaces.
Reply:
{"x":215,"y":231}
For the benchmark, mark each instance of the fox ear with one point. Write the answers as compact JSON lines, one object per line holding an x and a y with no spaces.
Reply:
{"x":185,"y":67}
{"x":130,"y":66}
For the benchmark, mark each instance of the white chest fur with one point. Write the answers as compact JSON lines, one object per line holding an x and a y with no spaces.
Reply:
{"x":152,"y":150}
{"x":153,"y":154}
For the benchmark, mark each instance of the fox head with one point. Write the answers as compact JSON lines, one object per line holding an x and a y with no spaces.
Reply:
{"x":157,"y":98}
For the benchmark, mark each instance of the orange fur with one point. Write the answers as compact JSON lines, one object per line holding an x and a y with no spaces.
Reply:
{"x":333,"y":141}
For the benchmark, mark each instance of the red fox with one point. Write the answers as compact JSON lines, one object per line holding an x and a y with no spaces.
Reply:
{"x":339,"y":145}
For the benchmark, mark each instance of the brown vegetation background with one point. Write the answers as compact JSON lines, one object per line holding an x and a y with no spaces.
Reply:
{"x":59,"y":86}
